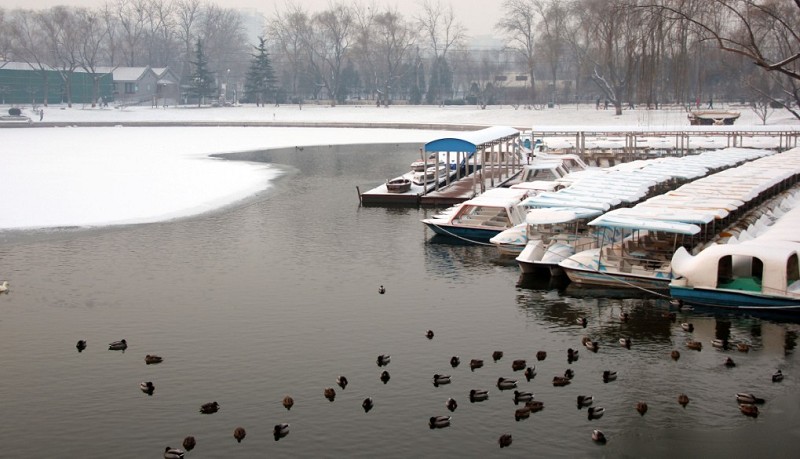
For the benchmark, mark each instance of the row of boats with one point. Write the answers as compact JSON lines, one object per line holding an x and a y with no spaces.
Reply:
{"x":661,"y":224}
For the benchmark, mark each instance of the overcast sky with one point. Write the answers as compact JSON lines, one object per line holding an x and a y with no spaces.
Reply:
{"x":479,"y":16}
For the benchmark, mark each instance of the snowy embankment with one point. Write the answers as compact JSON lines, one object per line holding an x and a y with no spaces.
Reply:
{"x":59,"y":177}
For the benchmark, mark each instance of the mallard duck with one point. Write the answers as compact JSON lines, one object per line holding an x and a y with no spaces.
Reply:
{"x":623,"y":316}
{"x":777,"y":376}
{"x":280,"y":430}
{"x":341,"y":381}
{"x":429,"y":334}
{"x":152,"y":359}
{"x":147,"y":387}
{"x":381,"y":290}
{"x":560,"y":381}
{"x":455,"y":361}
{"x":592,"y":345}
{"x":749,"y":410}
{"x":541,"y":355}
{"x":437,"y":422}
{"x":239,"y":434}
{"x":209,"y":408}
{"x":598,"y":436}
{"x":694,"y":345}
{"x":720,"y":343}
{"x":120,"y":345}
{"x":385,"y":376}
{"x":329,"y":393}
{"x":475,"y":363}
{"x":585,"y":400}
{"x":641,"y":407}
{"x":505,"y":383}
{"x":384,"y":360}
{"x":729,"y":362}
{"x":535,"y":406}
{"x":451,"y":404}
{"x":744,"y":398}
{"x":742,"y":347}
{"x":367,"y":404}
{"x":497,"y":355}
{"x":478,"y":395}
{"x":569,"y":373}
{"x":173,"y":453}
{"x":189,"y":443}
{"x":572,"y":355}
{"x":530,"y":373}
{"x":609,"y":375}
{"x":675,"y":354}
{"x":4,"y":287}
{"x":582,"y":321}
{"x":522,"y":397}
{"x":596,"y":412}
{"x":683,"y":399}
{"x":625,"y":342}
{"x":440,"y":379}
{"x":288,"y":402}
{"x":686,"y":326}
{"x":505,"y":440}
{"x":81,"y":345}
{"x":522,"y":413}
{"x":518,"y":365}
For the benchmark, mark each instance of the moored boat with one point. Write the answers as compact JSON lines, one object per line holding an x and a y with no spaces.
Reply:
{"x":398,"y":185}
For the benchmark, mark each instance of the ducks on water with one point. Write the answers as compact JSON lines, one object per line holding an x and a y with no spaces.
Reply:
{"x":585,"y":400}
{"x":475,"y":363}
{"x":478,"y":395}
{"x":518,"y":365}
{"x":451,"y":404}
{"x":625,"y":342}
{"x":440,"y":379}
{"x":686,"y":326}
{"x":598,"y":436}
{"x":777,"y":376}
{"x":572,"y":355}
{"x":623,"y":316}
{"x":609,"y":375}
{"x":535,"y":406}
{"x":384,"y":360}
{"x":720,"y":343}
{"x":694,"y":345}
{"x":189,"y":443}
{"x":729,"y":362}
{"x":120,"y":345}
{"x":683,"y":400}
{"x":209,"y":408}
{"x":641,"y":407}
{"x":4,"y":287}
{"x":596,"y":412}
{"x":367,"y":404}
{"x":745,"y":398}
{"x":582,"y":321}
{"x":522,"y":413}
{"x":280,"y":430}
{"x":541,"y":355}
{"x":742,"y":347}
{"x":749,"y":410}
{"x":569,"y":374}
{"x":438,"y":422}
{"x":530,"y":373}
{"x":173,"y":453}
{"x":429,"y":334}
{"x":591,"y":345}
{"x":381,"y":290}
{"x":497,"y":355}
{"x":670,"y":315}
{"x":147,"y":387}
{"x":455,"y":361}
{"x":560,"y":381}
{"x":522,"y":397}
{"x":505,"y":440}
{"x":341,"y":381}
{"x":288,"y":402}
{"x":239,"y":434}
{"x":385,"y":376}
{"x":81,"y":345}
{"x":152,"y":359}
{"x":675,"y":354}
{"x":505,"y":383}
{"x":329,"y":393}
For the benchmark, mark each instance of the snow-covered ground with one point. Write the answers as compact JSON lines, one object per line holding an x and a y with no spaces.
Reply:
{"x":91,"y":176}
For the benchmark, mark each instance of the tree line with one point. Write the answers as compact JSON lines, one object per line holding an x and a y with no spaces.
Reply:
{"x":624,"y":53}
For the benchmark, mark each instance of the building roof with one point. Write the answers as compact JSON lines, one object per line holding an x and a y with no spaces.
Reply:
{"x":9,"y":65}
{"x":470,"y":141}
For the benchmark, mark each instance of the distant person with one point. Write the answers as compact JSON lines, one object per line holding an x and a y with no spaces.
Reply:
{"x":710,"y":102}
{"x":605,"y":105}
{"x":597,"y":104}
{"x":630,"y":105}
{"x":41,"y":114}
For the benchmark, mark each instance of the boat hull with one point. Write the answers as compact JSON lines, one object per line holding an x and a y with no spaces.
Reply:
{"x":733,"y":299}
{"x":615,"y":279}
{"x":463,"y":232}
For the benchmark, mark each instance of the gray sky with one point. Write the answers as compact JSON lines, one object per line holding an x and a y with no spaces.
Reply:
{"x":478,"y":16}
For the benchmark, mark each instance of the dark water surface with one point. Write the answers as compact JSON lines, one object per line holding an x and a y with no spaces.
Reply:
{"x":279,"y":296}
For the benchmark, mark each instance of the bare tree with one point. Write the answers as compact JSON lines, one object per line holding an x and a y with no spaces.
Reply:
{"x":188,"y":14}
{"x":328,"y":42}
{"x":28,"y":39}
{"x":552,"y":39}
{"x":519,"y":25}
{"x":395,"y":38}
{"x":132,"y":20}
{"x":287,"y":31}
{"x":63,"y":40}
{"x":441,"y":30}
{"x":92,"y":34}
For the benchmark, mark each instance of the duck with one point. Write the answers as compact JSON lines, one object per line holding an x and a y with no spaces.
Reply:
{"x":505,"y":440}
{"x":569,"y":374}
{"x":683,"y":399}
{"x":596,"y":412}
{"x":475,"y":363}
{"x":209,"y":408}
{"x":384,"y":360}
{"x":675,"y":354}
{"x":625,"y":342}
{"x":367,"y":404}
{"x":720,"y":343}
{"x":385,"y":376}
{"x":147,"y":387}
{"x":341,"y":381}
{"x":455,"y":361}
{"x":729,"y":362}
{"x":239,"y":434}
{"x":189,"y":443}
{"x":560,"y":381}
{"x":280,"y":430}
{"x":530,"y":373}
{"x":777,"y":376}
{"x":745,"y":398}
{"x":329,"y":393}
{"x":670,"y":315}
{"x":598,"y":436}
{"x":641,"y":407}
{"x":749,"y":410}
{"x":609,"y":375}
{"x":585,"y":400}
{"x":497,"y":355}
{"x":440,"y":379}
{"x":173,"y":453}
{"x":438,"y":422}
{"x":591,"y":345}
{"x":451,"y":404}
{"x":686,"y":326}
{"x":518,"y":365}
{"x":478,"y":395}
{"x":535,"y":406}
{"x":381,"y":289}
{"x":288,"y":402}
{"x":152,"y":359}
{"x":429,"y":334}
{"x":120,"y":345}
{"x":623,"y":316}
{"x":522,"y":397}
{"x":742,"y":347}
{"x":541,"y":355}
{"x":81,"y":345}
{"x":582,"y":321}
{"x":505,"y":383}
{"x":4,"y":286}
{"x":522,"y":413}
{"x":694,"y":345}
{"x":572,"y":355}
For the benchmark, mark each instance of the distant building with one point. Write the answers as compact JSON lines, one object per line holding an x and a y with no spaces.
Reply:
{"x":23,"y":83}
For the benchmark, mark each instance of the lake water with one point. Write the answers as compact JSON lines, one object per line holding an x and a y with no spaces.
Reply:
{"x":279,"y":295}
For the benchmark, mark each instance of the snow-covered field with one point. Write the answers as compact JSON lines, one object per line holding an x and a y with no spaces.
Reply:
{"x":90,"y":176}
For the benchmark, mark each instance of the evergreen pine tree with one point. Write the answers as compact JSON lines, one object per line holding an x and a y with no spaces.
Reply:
{"x":201,"y":80}
{"x":260,"y":80}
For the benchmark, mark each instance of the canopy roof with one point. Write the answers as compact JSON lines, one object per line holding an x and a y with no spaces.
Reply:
{"x":470,"y":141}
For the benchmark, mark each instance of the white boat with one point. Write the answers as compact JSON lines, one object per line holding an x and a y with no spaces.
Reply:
{"x":756,"y":274}
{"x":479,"y":219}
{"x":429,"y":175}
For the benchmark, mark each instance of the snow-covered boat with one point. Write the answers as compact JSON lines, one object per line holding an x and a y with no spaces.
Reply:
{"x":431,"y":174}
{"x":398,"y":185}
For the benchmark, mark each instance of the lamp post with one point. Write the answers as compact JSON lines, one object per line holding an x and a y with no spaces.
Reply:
{"x":227,"y":74}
